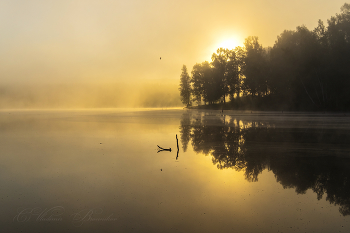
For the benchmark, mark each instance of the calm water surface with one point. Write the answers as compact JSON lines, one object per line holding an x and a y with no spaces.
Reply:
{"x":101,"y":171}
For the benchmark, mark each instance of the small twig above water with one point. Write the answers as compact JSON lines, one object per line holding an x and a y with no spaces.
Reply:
{"x":177,"y":143}
{"x":163,"y":149}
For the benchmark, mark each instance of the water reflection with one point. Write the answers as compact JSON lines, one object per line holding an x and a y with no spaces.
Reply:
{"x":106,"y":163}
{"x":303,"y":153}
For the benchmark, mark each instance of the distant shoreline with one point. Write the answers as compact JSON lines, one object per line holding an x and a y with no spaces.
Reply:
{"x":228,"y":106}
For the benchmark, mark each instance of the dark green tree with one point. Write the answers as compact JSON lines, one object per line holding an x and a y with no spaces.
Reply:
{"x":298,"y":75}
{"x":338,"y":38}
{"x":227,"y":65}
{"x":233,"y":73}
{"x":185,"y":87}
{"x":219,"y":69}
{"x":255,"y":68}
{"x":197,"y":81}
{"x":211,"y":86}
{"x":204,"y":84}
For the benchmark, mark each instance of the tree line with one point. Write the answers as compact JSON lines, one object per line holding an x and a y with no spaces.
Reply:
{"x":304,"y":70}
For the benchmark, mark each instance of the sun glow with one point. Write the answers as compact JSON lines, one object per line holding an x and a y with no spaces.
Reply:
{"x":224,"y":41}
{"x":228,"y":43}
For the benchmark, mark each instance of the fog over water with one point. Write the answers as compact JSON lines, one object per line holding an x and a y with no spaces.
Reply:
{"x":91,"y":95}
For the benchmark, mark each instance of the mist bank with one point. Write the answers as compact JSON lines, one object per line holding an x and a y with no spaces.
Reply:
{"x":91,"y":95}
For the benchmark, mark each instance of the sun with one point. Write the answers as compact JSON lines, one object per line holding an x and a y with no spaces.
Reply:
{"x":228,"y":43}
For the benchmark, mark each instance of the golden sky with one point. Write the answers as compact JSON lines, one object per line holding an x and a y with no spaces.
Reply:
{"x":45,"y":41}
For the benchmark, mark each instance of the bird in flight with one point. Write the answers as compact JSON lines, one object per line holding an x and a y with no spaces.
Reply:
{"x":160,"y":58}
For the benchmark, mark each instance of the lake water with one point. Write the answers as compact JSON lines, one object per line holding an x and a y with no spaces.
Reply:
{"x":102,"y":171}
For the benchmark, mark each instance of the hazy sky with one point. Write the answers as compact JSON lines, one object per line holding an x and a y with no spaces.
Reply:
{"x":65,"y":41}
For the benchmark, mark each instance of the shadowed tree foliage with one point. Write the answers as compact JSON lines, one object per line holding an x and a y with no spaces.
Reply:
{"x":212,"y":82}
{"x":227,"y":68}
{"x":338,"y":38}
{"x":304,"y":70}
{"x":197,"y":80}
{"x":219,"y":69}
{"x":185,"y":87}
{"x":204,"y":84}
{"x":255,"y":68}
{"x":297,"y":74}
{"x":235,"y":63}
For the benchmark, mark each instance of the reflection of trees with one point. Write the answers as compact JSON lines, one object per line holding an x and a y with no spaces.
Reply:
{"x":185,"y":131}
{"x":222,"y":138}
{"x":300,"y":159}
{"x":322,"y":174}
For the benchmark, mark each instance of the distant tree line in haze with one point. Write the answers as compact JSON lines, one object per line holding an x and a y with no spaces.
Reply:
{"x":304,"y":70}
